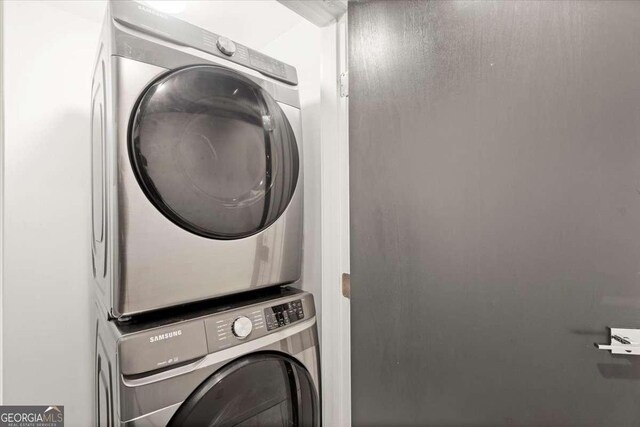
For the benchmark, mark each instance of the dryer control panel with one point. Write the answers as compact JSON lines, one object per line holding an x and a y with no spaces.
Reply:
{"x":150,"y":21}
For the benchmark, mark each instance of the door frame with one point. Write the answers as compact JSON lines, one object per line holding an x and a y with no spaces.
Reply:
{"x":1,"y":201}
{"x":334,"y":204}
{"x":335,"y":350}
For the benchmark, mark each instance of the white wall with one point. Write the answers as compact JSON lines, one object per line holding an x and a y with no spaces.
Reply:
{"x":47,"y":339}
{"x":49,"y":53}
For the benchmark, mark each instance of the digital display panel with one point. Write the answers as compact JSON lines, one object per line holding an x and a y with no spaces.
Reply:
{"x":283,"y":314}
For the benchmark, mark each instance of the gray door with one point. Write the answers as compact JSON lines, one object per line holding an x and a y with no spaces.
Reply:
{"x":495,"y":212}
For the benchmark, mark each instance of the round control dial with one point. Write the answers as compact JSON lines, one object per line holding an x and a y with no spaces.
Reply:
{"x":242,"y":327}
{"x":226,"y":46}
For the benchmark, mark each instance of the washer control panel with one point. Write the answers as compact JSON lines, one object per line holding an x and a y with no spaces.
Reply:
{"x":162,"y":344}
{"x":234,"y":327}
{"x":283,"y":314}
{"x":242,"y":327}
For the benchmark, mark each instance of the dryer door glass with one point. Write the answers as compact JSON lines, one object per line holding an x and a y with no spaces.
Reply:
{"x":214,"y":152}
{"x":261,"y":389}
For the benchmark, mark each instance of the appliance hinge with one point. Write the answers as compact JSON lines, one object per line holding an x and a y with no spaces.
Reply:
{"x":344,"y":84}
{"x":346,"y":285}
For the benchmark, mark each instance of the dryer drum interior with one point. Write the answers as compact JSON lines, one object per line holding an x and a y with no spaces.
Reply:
{"x":214,"y":152}
{"x":260,"y":389}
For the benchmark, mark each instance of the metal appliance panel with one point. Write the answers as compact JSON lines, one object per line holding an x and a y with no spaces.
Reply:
{"x":495,"y":216}
{"x":160,"y":264}
{"x":143,"y":394}
{"x":153,"y":56}
{"x":101,"y":171}
{"x":150,"y":21}
{"x":127,"y":42}
{"x":162,"y":347}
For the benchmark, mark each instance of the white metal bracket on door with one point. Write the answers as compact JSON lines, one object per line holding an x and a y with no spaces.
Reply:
{"x":623,"y":341}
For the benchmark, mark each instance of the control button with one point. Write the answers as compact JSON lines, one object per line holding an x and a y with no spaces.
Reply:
{"x":242,"y":327}
{"x":226,"y":46}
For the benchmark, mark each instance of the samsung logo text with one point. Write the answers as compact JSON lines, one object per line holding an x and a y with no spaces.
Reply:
{"x":165,"y":336}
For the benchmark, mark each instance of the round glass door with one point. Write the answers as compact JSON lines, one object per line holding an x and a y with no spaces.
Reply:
{"x":214,"y":152}
{"x":262,"y":389}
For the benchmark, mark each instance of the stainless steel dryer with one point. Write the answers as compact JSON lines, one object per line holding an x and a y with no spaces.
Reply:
{"x":197,"y":173}
{"x":247,"y":362}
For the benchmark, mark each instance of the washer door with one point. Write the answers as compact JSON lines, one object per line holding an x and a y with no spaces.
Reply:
{"x":214,"y":152}
{"x":261,"y":389}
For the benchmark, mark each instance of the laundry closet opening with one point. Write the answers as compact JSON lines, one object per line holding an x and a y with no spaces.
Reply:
{"x":59,"y":91}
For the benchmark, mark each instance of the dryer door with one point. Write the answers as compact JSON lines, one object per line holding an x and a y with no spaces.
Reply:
{"x":214,"y":152}
{"x":261,"y":389}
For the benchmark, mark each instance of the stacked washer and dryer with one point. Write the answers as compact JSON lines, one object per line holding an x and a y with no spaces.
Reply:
{"x":197,"y":225}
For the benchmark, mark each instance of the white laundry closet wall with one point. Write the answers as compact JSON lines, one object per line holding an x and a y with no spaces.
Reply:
{"x":47,"y":351}
{"x":49,"y":51}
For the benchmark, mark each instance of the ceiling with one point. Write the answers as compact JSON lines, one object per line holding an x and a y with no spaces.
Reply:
{"x":254,"y":23}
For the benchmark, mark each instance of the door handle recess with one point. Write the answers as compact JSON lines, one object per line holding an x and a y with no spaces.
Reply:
{"x":623,"y":341}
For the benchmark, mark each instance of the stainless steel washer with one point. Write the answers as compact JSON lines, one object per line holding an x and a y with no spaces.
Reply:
{"x":197,"y":172}
{"x":247,"y":362}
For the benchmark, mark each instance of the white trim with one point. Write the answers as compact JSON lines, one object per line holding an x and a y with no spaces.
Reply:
{"x":330,"y":345}
{"x":1,"y":201}
{"x":318,"y":12}
{"x":345,"y":260}
{"x":335,"y":342}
